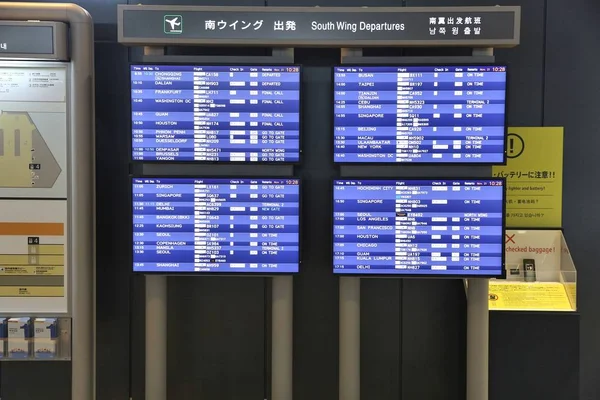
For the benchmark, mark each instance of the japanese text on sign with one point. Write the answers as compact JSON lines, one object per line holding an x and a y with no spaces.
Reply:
{"x":534,"y":177}
{"x":306,"y":26}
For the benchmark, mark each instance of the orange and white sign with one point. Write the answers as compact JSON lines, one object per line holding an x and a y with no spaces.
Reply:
{"x":33,"y":256}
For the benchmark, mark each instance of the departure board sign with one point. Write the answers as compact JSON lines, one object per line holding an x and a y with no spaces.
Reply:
{"x":419,"y":227}
{"x":216,"y":225}
{"x":215,"y":113}
{"x":164,"y":25}
{"x":420,"y":114}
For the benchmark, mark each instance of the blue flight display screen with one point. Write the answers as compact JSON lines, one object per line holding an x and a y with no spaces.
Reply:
{"x":216,"y":225}
{"x":419,"y":227}
{"x":215,"y":113}
{"x":420,"y":114}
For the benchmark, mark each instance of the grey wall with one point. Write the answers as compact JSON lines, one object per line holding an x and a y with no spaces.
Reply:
{"x":571,"y":99}
{"x":412,"y":330}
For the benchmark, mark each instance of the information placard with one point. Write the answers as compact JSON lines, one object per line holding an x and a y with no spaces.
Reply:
{"x":534,"y":177}
{"x":33,"y":256}
{"x":33,"y":130}
{"x":523,"y":296}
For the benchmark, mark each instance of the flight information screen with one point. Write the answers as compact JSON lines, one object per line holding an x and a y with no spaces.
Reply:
{"x":216,"y":225}
{"x":419,"y":227}
{"x":420,"y":114}
{"x":215,"y":113}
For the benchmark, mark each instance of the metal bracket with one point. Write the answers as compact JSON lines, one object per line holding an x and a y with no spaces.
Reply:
{"x":278,"y":56}
{"x":477,"y":58}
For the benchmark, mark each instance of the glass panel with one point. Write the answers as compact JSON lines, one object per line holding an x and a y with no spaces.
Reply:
{"x":540,"y":274}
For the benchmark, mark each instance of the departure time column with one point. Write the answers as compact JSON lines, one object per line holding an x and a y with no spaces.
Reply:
{"x":163,"y":230}
{"x":162,"y":113}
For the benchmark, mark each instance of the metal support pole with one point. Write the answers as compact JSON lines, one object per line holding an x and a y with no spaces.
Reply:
{"x":350,"y":52}
{"x":282,"y":319}
{"x":156,"y":320}
{"x":349,"y":331}
{"x":349,"y":324}
{"x":478,"y":323}
{"x":156,"y":337}
{"x":284,"y":52}
{"x":282,"y":314}
{"x":483,"y":51}
{"x":478,"y":338}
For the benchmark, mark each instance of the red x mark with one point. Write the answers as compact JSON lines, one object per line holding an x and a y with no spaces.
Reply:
{"x":509,"y":238}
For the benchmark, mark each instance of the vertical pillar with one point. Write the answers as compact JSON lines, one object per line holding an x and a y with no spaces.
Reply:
{"x":282,"y":316}
{"x":156,"y":337}
{"x":478,"y":322}
{"x":349,"y":314}
{"x":349,"y":331}
{"x":156,"y":320}
{"x":81,"y":193}
{"x":478,"y":336}
{"x":282,"y":312}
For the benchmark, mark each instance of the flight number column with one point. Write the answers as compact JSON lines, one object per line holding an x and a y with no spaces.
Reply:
{"x":226,"y":223}
{"x":407,"y":247}
{"x":410,"y":121}
{"x":207,"y":130}
{"x":207,"y":220}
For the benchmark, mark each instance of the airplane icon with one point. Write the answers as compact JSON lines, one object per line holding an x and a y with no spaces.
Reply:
{"x":173,"y":24}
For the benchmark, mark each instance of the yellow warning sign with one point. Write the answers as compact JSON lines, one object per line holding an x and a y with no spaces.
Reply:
{"x":533,"y":175}
{"x":534,"y":296}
